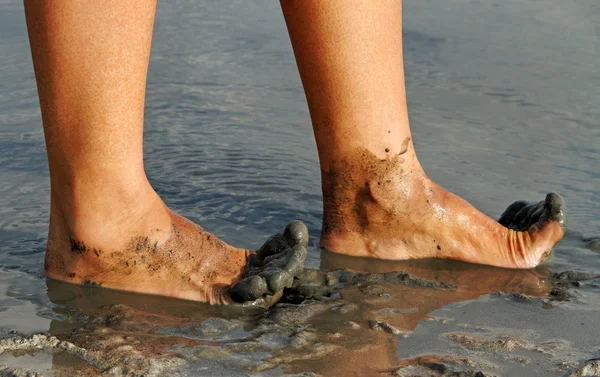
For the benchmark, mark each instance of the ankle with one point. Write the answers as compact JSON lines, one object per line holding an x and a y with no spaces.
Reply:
{"x":383,"y":138}
{"x":102,"y":214}
{"x":363,"y":190}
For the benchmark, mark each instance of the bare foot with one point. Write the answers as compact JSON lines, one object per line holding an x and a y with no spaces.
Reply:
{"x":147,"y":248}
{"x":387,"y":208}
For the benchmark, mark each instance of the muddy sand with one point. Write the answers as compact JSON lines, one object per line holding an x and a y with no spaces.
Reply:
{"x":503,"y":103}
{"x":422,"y":318}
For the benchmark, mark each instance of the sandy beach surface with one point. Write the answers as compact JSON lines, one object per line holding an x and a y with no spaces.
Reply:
{"x":503,"y":102}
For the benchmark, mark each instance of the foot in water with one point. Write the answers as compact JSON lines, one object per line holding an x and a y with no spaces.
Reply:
{"x":377,"y":200}
{"x":387,"y":208}
{"x":162,"y":253}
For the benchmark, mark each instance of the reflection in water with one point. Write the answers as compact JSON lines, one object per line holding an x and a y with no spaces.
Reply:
{"x":503,"y":105}
{"x":408,"y":305}
{"x":337,"y":333}
{"x":128,"y":327}
{"x":475,"y":279}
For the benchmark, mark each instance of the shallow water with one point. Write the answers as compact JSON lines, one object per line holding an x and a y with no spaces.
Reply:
{"x":503,"y":101}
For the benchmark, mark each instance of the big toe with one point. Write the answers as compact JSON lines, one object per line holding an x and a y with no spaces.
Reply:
{"x":522,"y":216}
{"x":295,"y":233}
{"x":273,"y":267}
{"x":544,"y":221}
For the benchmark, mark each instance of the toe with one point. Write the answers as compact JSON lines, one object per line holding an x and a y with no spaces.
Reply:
{"x":273,"y":267}
{"x":554,"y":209}
{"x":291,"y":261}
{"x":295,"y":233}
{"x":540,"y":226}
{"x":295,"y":260}
{"x":248,"y":289}
{"x":277,"y":279}
{"x":275,"y":244}
{"x":508,"y":215}
{"x":522,"y":215}
{"x":527,"y":216}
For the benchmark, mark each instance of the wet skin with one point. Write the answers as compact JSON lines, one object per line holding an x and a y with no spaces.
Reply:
{"x":377,"y":200}
{"x":109,"y":228}
{"x":382,"y":208}
{"x":183,"y":261}
{"x":387,"y":208}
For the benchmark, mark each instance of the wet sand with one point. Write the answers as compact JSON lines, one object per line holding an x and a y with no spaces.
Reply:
{"x":420,"y":318}
{"x":503,"y":104}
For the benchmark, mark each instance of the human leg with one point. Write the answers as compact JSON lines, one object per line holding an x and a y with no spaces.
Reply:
{"x":107,"y":225}
{"x":377,"y":200}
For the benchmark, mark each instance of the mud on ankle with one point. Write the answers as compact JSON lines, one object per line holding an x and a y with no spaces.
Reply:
{"x":136,"y":253}
{"x":359,"y":181}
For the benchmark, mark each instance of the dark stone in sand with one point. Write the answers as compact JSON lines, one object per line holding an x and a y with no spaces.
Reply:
{"x":560,"y":294}
{"x":437,"y":366}
{"x":374,"y":290}
{"x":575,"y":276}
{"x":352,"y":324}
{"x":384,"y":326}
{"x":518,"y":297}
{"x":497,"y":345}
